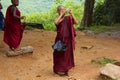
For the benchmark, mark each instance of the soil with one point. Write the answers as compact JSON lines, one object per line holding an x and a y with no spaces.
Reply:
{"x":39,"y":65}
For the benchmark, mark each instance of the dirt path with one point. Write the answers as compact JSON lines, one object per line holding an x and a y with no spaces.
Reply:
{"x":38,"y":66}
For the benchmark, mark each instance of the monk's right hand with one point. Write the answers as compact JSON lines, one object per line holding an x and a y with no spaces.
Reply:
{"x":22,"y":17}
{"x":62,"y":12}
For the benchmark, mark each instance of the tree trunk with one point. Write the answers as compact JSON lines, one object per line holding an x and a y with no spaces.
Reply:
{"x":88,"y":12}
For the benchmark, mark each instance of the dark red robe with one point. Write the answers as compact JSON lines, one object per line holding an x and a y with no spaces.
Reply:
{"x":63,"y":61}
{"x":13,"y":29}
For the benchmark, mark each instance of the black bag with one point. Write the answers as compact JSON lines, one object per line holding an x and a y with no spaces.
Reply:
{"x":60,"y":46}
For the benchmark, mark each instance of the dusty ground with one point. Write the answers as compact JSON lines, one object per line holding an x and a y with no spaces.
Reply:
{"x":38,"y":66}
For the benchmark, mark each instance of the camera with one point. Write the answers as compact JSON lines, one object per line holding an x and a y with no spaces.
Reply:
{"x":67,"y":10}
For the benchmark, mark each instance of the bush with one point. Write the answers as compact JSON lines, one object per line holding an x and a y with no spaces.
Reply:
{"x":102,"y":28}
{"x":44,"y":18}
{"x":47,"y":18}
{"x":107,"y":13}
{"x":103,"y":61}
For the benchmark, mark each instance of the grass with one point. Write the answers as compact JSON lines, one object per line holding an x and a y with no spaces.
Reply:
{"x":104,"y":78}
{"x":99,"y":29}
{"x":103,"y":61}
{"x":95,"y":29}
{"x":29,"y":28}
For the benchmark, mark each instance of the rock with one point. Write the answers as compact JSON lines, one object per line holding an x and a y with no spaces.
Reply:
{"x":110,"y":34}
{"x":17,"y":79}
{"x":111,"y":71}
{"x":72,"y":78}
{"x":88,"y":32}
{"x":82,"y":34}
{"x":38,"y":76}
{"x":28,"y":49}
{"x":35,"y":25}
{"x":23,"y":50}
{"x":117,"y":63}
{"x":87,"y":47}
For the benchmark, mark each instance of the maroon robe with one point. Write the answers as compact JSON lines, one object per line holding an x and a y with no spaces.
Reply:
{"x":63,"y":61}
{"x":13,"y":29}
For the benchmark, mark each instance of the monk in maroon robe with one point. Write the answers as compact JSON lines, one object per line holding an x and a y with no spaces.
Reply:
{"x":13,"y":29}
{"x":63,"y":61}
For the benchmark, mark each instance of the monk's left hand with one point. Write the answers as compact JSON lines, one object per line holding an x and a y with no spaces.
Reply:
{"x":70,"y":12}
{"x":22,"y":17}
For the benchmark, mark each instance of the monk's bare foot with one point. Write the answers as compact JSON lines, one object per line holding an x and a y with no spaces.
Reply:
{"x":17,"y":49}
{"x":62,"y":73}
{"x":11,"y":49}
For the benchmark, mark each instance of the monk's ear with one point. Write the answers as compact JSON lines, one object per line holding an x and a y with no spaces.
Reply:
{"x":1,"y":6}
{"x":12,"y":1}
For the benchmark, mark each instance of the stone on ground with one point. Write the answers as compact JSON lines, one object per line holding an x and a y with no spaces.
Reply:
{"x":24,"y":50}
{"x":111,"y":71}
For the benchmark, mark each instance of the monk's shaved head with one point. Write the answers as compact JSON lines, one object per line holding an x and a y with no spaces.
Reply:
{"x":60,"y":7}
{"x":15,"y":2}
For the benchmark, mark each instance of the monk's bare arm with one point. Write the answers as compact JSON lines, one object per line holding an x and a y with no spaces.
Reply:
{"x":74,"y":18}
{"x":58,"y":19}
{"x":15,"y":15}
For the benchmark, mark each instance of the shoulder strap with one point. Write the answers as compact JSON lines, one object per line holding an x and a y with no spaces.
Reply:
{"x":1,"y":15}
{"x":65,"y":25}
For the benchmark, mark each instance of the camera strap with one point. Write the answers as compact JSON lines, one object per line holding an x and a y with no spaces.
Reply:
{"x":65,"y":25}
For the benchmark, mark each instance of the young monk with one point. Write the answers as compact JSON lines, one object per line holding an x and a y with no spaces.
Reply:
{"x":13,"y":29}
{"x":63,"y":61}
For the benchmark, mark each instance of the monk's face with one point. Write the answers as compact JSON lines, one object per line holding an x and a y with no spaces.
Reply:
{"x":15,"y":2}
{"x":61,"y":9}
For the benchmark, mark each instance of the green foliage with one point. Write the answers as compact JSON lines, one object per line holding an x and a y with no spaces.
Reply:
{"x":98,"y":29}
{"x":45,"y":11}
{"x":47,"y":18}
{"x":102,"y":77}
{"x":44,"y":18}
{"x":77,"y":10}
{"x":30,"y":6}
{"x":29,"y":28}
{"x":33,"y":6}
{"x":103,"y":61}
{"x":107,"y":12}
{"x":58,"y":1}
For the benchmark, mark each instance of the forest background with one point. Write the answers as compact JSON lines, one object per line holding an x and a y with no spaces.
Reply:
{"x":105,"y":12}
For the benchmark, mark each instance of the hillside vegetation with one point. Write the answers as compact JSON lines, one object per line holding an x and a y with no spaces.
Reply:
{"x":32,"y":6}
{"x":44,"y":11}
